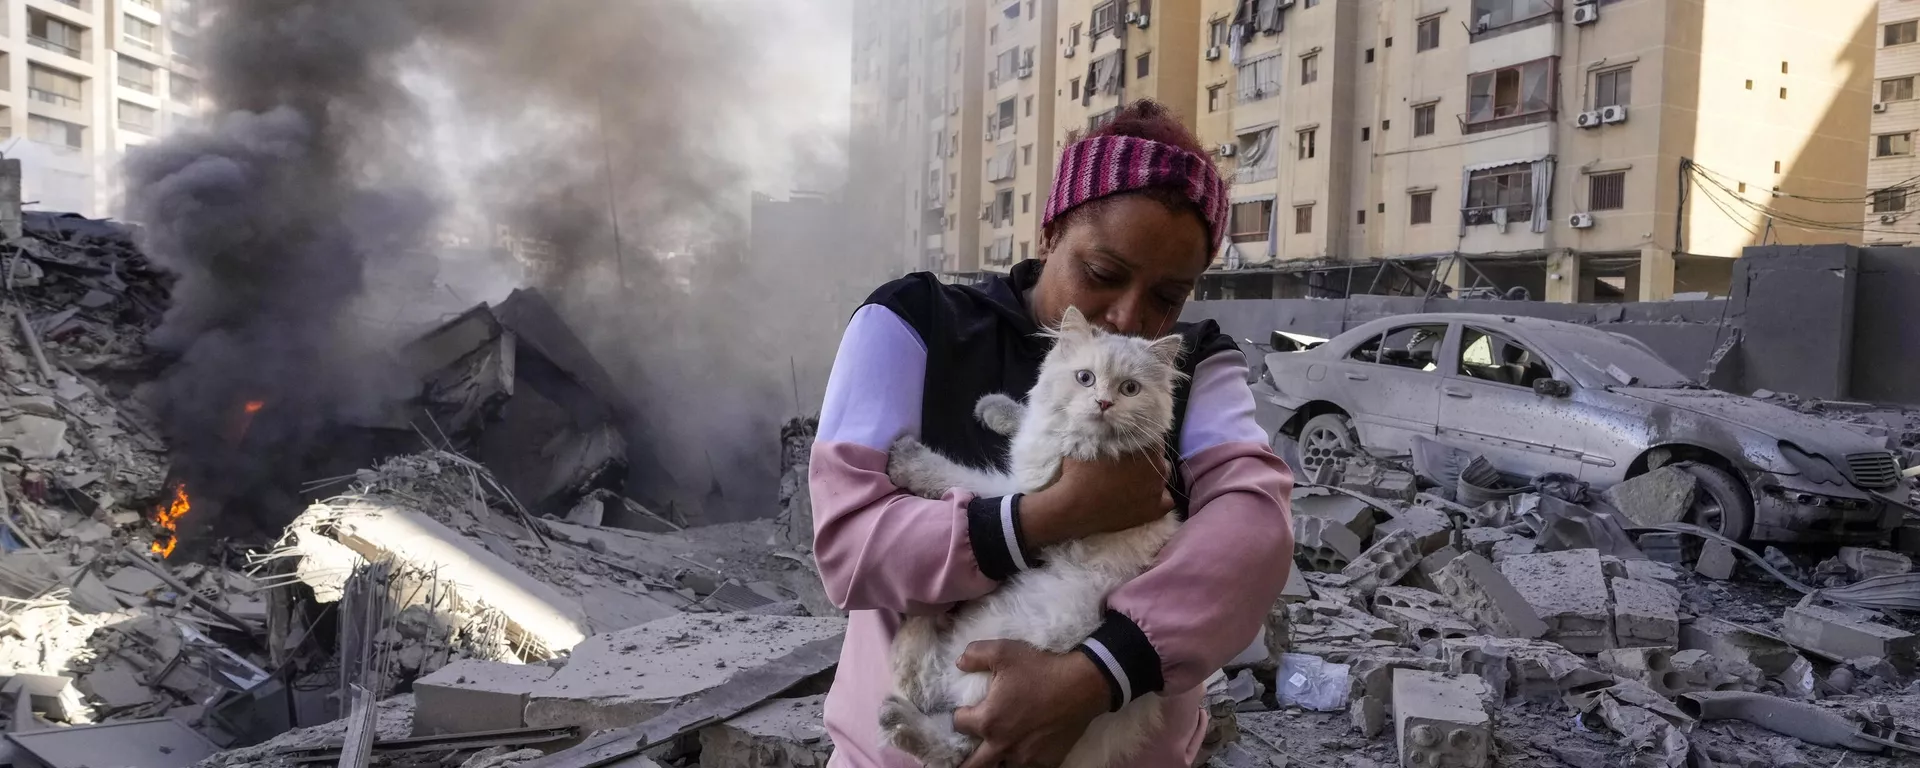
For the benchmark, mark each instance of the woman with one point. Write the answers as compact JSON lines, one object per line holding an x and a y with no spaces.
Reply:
{"x":1136,"y":210}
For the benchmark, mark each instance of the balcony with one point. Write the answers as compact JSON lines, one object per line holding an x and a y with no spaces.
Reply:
{"x":53,"y":98}
{"x":41,"y":42}
{"x":74,"y":4}
{"x":137,"y":127}
{"x":146,"y":87}
{"x":1251,"y":175}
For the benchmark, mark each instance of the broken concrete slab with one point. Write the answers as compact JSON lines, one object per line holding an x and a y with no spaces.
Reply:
{"x":1656,"y":498}
{"x":1648,"y":570}
{"x":1481,"y":541}
{"x":116,"y":687}
{"x":34,"y":437}
{"x":1518,"y":669}
{"x":1717,"y":560}
{"x":1354,"y":514}
{"x":156,"y":743}
{"x":1729,"y":641}
{"x":1441,"y":720}
{"x":1372,"y":686}
{"x":1296,"y":590}
{"x":782,"y":733}
{"x":1513,"y":547}
{"x":1430,"y":528}
{"x":1421,"y":625}
{"x":1866,"y":563}
{"x":1569,"y":592}
{"x":1670,"y":548}
{"x":1386,"y":562}
{"x":1422,"y":575}
{"x":622,"y":678}
{"x":1645,"y":613}
{"x":471,"y":695}
{"x":1670,"y":673}
{"x":1835,"y":635}
{"x":1323,"y":545}
{"x":1483,"y":596}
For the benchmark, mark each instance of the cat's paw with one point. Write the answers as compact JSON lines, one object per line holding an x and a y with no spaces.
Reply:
{"x":907,"y":729}
{"x":999,"y":413}
{"x":915,"y":467}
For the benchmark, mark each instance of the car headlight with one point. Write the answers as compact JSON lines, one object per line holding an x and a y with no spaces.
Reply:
{"x":1814,"y":467}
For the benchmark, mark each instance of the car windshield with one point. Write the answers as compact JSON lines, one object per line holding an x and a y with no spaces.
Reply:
{"x":1610,"y":360}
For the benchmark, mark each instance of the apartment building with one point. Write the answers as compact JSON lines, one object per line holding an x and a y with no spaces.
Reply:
{"x":1018,"y":110}
{"x":82,"y":80}
{"x":1893,"y":171}
{"x":1571,"y":150}
{"x":1113,"y":52}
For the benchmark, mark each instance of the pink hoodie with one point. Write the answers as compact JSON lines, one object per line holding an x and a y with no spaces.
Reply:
{"x":883,"y":553}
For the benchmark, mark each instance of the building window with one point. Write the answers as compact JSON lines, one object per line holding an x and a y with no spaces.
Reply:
{"x":1305,"y":141}
{"x":1217,"y":31}
{"x":1900,"y":33}
{"x":1897,"y":89}
{"x":1366,"y":133}
{"x":1613,"y":88}
{"x":1073,"y":36}
{"x":137,"y":118}
{"x":1426,"y":34}
{"x":1420,"y":208}
{"x":1100,"y":120}
{"x":1369,"y":55}
{"x":185,"y":90}
{"x":1026,"y":250}
{"x":1213,"y":97}
{"x":54,"y":35}
{"x":1026,"y":155}
{"x":1423,"y":120}
{"x":1309,"y":68}
{"x":1003,"y":206}
{"x":1030,"y":9}
{"x":1607,"y":191}
{"x":1884,"y":200}
{"x":1508,"y":96}
{"x":1026,"y":203}
{"x":1893,"y":144}
{"x":1250,"y":221}
{"x":50,"y":131}
{"x":1076,"y":88}
{"x":1507,"y":189}
{"x":140,"y":33}
{"x":53,"y":86}
{"x":1302,"y":219}
{"x":1494,"y":14}
{"x":1309,"y":3}
{"x":1141,"y":66}
{"x":1360,"y":216}
{"x":137,"y":75}
{"x":1258,"y":79}
{"x":1387,"y":43}
{"x":993,"y":34}
{"x":1106,"y":17}
{"x":1029,"y":106}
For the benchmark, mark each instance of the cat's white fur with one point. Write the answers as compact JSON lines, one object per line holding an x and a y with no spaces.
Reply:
{"x":1058,"y":604}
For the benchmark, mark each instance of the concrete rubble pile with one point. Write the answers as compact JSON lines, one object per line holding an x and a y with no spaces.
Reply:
{"x":1554,"y":625}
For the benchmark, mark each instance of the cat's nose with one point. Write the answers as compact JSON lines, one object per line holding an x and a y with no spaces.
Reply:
{"x":1105,"y":404}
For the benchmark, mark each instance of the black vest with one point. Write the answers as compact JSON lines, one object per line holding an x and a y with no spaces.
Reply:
{"x":981,"y":339}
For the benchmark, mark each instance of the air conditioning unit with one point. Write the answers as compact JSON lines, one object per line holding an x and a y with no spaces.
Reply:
{"x":1142,"y":21}
{"x":1588,"y":119}
{"x":1286,"y":3}
{"x":1226,"y":150}
{"x":1132,"y":17}
{"x":1888,"y":218}
{"x":1879,"y":106}
{"x":1580,"y":220}
{"x":989,"y":135}
{"x":1213,"y":54}
{"x":1613,"y":114}
{"x":1586,"y":14}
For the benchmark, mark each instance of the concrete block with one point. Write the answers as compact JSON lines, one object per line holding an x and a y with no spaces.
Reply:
{"x":621,"y":678}
{"x":1410,"y":597}
{"x":1568,"y":591}
{"x":1669,"y":548}
{"x":1834,"y":635}
{"x":1385,"y":563}
{"x":1481,"y":541}
{"x":1321,"y":544}
{"x":782,"y":733}
{"x":1518,"y":669}
{"x":471,"y":695}
{"x":1296,"y":589}
{"x":1514,"y":547}
{"x":1671,"y":673}
{"x":1381,"y":482}
{"x":1729,"y":641}
{"x":1420,"y":625}
{"x":1429,"y":527}
{"x":1717,"y":560}
{"x":1346,"y":510}
{"x":1422,"y":575}
{"x":1483,"y":596}
{"x":1648,"y":570}
{"x":1867,"y":563}
{"x":1441,"y":720}
{"x":1655,"y":498}
{"x":1645,"y":613}
{"x":1372,"y":687}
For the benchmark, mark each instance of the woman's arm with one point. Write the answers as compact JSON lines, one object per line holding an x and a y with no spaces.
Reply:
{"x":1203,"y":602}
{"x":877,"y":546}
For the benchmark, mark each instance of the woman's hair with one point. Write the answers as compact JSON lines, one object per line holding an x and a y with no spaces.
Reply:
{"x":1143,"y":119}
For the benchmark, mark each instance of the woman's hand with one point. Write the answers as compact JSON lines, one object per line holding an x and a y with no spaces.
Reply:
{"x":1093,"y":497}
{"x":1036,"y":708}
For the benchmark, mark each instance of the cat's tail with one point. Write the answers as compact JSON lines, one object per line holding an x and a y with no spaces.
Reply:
{"x":999,"y":413}
{"x":933,"y":741}
{"x":914,"y":647}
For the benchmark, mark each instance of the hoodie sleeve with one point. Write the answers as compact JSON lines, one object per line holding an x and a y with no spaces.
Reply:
{"x":877,"y":546}
{"x":1204,"y":600}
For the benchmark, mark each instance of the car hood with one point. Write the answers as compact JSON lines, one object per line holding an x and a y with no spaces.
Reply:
{"x":1811,"y":433}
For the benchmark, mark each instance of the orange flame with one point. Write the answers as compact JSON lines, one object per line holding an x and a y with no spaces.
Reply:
{"x":167,"y":518}
{"x":246,"y":419}
{"x":254,"y":406}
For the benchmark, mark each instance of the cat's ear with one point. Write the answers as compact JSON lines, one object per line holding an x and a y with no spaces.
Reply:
{"x":1168,"y":349}
{"x":1072,"y":323}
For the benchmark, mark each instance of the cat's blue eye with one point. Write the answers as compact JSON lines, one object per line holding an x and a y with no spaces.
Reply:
{"x":1085,"y":377}
{"x":1129,"y":387}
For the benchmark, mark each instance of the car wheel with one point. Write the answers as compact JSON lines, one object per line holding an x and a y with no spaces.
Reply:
{"x":1324,"y":438}
{"x":1722,"y":504}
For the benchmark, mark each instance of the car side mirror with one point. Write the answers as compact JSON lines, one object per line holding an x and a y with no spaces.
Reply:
{"x":1552,"y":387}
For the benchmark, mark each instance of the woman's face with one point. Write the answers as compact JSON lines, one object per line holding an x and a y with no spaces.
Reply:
{"x":1128,"y":266}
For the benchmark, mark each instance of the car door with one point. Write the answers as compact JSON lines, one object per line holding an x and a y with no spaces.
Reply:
{"x":1488,"y":405}
{"x":1391,"y":385}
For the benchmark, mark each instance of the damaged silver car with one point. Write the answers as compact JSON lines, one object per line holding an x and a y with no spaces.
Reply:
{"x":1539,"y":396}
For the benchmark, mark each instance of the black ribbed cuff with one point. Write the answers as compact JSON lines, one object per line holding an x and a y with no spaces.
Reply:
{"x":1125,"y":658}
{"x":993,"y":526}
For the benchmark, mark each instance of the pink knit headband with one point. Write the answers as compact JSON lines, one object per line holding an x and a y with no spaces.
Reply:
{"x":1105,"y":165}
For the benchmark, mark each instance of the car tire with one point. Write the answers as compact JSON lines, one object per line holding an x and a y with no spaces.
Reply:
{"x":1722,"y":504}
{"x":1322,"y":437}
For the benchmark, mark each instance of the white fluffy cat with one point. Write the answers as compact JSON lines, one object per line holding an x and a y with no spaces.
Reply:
{"x":1098,"y":395}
